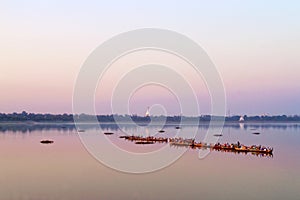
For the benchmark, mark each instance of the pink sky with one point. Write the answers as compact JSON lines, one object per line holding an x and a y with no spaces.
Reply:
{"x":256,"y":50}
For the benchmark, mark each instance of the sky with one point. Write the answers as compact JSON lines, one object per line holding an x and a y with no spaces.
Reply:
{"x":255,"y":46}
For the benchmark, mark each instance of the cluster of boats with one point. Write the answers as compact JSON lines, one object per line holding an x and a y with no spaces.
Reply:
{"x":256,"y":149}
{"x":243,"y":148}
{"x":149,"y":139}
{"x":181,"y":141}
{"x":226,"y":147}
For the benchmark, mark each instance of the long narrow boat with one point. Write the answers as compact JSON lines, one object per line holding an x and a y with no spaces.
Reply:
{"x":150,"y":138}
{"x":254,"y":150}
{"x":144,"y":142}
{"x":223,"y":147}
{"x":46,"y":141}
{"x":261,"y":150}
{"x":180,"y":143}
{"x":242,"y":149}
{"x":202,"y":145}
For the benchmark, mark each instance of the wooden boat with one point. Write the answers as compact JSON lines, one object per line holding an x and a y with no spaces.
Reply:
{"x":180,"y":143}
{"x":144,"y":142}
{"x":223,"y":147}
{"x":241,"y":149}
{"x":256,"y":133}
{"x":161,"y":131}
{"x":139,"y":138}
{"x":161,"y":139}
{"x":218,"y":135}
{"x":254,"y":150}
{"x":261,"y":150}
{"x":126,"y":137}
{"x":199,"y":145}
{"x":108,"y":133}
{"x":46,"y":141}
{"x":237,"y":148}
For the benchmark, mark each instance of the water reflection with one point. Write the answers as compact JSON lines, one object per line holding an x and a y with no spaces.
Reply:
{"x":29,"y":127}
{"x":65,"y":170}
{"x":191,"y":144}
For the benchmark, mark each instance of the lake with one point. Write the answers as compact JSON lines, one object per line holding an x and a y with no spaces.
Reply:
{"x":66,"y":170}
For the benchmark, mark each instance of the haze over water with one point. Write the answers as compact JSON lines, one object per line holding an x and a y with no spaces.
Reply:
{"x":65,"y":170}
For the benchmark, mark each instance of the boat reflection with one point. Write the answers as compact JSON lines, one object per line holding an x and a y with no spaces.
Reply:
{"x":257,"y":154}
{"x":237,"y":148}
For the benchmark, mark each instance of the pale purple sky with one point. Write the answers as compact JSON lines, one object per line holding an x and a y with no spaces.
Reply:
{"x":255,"y":45}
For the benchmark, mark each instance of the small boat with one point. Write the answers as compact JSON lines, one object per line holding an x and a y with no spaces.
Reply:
{"x":254,"y":150}
{"x":80,"y":130}
{"x":144,"y":142}
{"x":199,"y":145}
{"x":46,"y":141}
{"x":202,"y":145}
{"x":261,"y":150}
{"x":160,"y":139}
{"x":108,"y":133}
{"x":149,"y":138}
{"x":256,"y":133}
{"x":181,"y":142}
{"x":177,"y":127}
{"x":218,"y":135}
{"x":224,"y":148}
{"x":161,"y":131}
{"x":270,"y":151}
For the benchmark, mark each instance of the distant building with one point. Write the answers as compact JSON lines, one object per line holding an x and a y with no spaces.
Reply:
{"x":241,"y":119}
{"x":147,"y":114}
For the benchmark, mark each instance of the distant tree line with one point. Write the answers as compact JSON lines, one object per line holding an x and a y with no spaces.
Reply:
{"x":24,"y":116}
{"x":266,"y":118}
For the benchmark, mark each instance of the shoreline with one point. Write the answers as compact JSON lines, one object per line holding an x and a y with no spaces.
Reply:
{"x":146,"y":123}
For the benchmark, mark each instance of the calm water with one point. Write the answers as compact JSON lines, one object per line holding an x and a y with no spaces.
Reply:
{"x":65,"y":170}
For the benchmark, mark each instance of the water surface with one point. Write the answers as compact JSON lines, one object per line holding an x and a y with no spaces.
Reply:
{"x":65,"y":170}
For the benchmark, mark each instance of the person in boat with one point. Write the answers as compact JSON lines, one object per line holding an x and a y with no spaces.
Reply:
{"x":239,"y":144}
{"x":270,"y":149}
